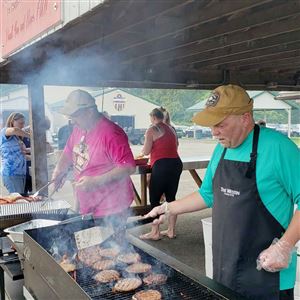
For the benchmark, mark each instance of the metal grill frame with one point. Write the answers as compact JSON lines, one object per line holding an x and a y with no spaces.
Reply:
{"x":44,"y":277}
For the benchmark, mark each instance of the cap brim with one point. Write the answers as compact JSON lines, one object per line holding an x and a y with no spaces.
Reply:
{"x":68,"y":111}
{"x":207,"y":118}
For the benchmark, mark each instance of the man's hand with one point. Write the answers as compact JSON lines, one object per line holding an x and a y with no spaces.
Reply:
{"x":276,"y":257}
{"x":87,"y":183}
{"x":162,"y":211}
{"x":59,"y":180}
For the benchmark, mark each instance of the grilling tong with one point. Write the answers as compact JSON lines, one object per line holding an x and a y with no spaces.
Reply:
{"x":62,"y":177}
{"x":42,"y":188}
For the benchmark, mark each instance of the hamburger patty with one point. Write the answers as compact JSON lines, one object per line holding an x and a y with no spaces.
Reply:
{"x":147,"y":295}
{"x":107,"y":276}
{"x":67,"y":264}
{"x":129,"y":258}
{"x":127,"y":284}
{"x":90,"y":255}
{"x":138,"y":268}
{"x":155,"y":279}
{"x":103,"y":264}
{"x":109,"y":252}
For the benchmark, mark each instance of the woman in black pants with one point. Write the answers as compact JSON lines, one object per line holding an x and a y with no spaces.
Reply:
{"x":161,"y":143}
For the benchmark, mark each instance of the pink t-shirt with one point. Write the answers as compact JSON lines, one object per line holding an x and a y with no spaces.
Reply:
{"x":97,"y":152}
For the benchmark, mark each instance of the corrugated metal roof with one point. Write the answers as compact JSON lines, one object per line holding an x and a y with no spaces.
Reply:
{"x":169,"y":44}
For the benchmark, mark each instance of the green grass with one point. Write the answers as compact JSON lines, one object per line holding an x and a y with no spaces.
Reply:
{"x":296,"y":140}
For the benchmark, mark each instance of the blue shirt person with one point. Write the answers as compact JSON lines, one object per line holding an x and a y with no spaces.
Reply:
{"x":13,"y":153}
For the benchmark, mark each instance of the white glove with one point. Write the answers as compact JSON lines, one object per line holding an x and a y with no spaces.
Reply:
{"x":277,"y":257}
{"x":162,"y":211}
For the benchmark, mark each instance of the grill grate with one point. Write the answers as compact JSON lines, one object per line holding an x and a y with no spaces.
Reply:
{"x":178,"y":286}
{"x":16,"y":209}
{"x":59,"y":240}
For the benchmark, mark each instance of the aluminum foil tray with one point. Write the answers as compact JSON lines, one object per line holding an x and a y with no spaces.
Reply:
{"x":16,"y":232}
{"x":14,"y":209}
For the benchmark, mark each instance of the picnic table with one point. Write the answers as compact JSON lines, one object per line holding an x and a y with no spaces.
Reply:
{"x":190,"y":163}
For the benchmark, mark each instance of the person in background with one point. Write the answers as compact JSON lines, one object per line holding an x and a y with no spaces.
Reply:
{"x":102,"y":161}
{"x":166,"y":168}
{"x":261,"y":123}
{"x":63,"y":134}
{"x":13,"y":153}
{"x":46,"y":126}
{"x":28,"y":179}
{"x":252,"y":201}
{"x":166,"y":120}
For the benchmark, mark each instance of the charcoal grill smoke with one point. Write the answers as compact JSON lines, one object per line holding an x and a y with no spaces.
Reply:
{"x":55,"y":252}
{"x":78,"y":68}
{"x":54,"y":67}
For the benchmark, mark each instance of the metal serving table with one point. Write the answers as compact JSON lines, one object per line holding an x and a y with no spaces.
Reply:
{"x":9,"y":264}
{"x":12,"y":253}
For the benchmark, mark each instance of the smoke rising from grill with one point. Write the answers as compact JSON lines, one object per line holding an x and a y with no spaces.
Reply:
{"x":54,"y":67}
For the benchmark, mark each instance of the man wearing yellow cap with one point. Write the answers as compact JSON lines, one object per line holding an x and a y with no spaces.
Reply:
{"x":252,"y":185}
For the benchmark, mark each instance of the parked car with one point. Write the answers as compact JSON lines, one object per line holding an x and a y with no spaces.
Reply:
{"x":203,"y":133}
{"x":135,"y":136}
{"x":189,"y":133}
{"x":179,"y":132}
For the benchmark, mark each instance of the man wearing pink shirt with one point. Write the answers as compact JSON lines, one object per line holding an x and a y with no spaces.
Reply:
{"x":101,"y":158}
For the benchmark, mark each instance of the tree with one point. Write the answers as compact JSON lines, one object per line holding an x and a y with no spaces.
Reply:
{"x":174,"y":100}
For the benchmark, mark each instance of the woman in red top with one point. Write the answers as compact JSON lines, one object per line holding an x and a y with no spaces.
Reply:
{"x":161,"y":143}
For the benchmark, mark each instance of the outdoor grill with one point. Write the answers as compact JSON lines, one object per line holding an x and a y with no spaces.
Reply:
{"x":45,"y":278}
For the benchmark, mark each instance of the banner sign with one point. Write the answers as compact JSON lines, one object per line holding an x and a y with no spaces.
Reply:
{"x":23,"y":20}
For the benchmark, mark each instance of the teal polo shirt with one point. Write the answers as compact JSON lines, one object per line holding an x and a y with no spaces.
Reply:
{"x":277,"y":178}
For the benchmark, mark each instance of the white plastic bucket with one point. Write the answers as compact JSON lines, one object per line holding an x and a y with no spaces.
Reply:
{"x":207,"y":234}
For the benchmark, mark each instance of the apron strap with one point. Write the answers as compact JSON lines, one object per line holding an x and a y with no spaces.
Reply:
{"x":253,"y":155}
{"x":223,"y":154}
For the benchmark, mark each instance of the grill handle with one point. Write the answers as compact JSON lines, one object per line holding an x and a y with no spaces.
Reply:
{"x":77,"y":218}
{"x":139,"y":222}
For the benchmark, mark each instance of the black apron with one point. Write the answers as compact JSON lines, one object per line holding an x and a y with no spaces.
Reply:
{"x":242,"y":227}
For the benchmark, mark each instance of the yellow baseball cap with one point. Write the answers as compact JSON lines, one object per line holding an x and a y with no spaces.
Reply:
{"x":225,"y":100}
{"x":77,"y":100}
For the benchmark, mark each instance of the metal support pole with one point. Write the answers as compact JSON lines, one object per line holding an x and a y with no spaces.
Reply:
{"x":2,"y":286}
{"x":39,"y":171}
